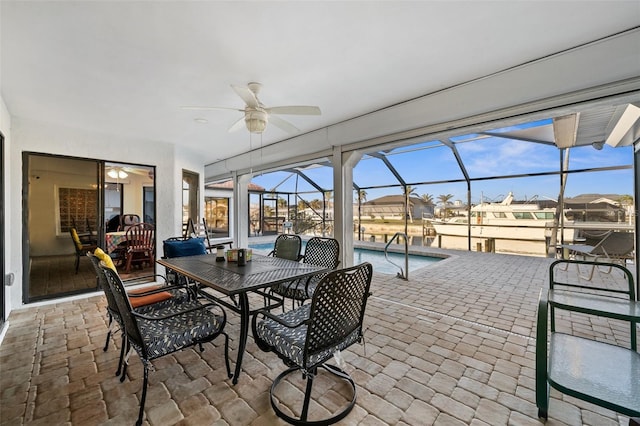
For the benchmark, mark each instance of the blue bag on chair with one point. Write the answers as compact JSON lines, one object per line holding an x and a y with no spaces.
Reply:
{"x":177,"y":247}
{"x":180,"y":248}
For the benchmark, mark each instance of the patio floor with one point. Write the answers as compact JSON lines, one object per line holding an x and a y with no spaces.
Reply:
{"x":454,"y":345}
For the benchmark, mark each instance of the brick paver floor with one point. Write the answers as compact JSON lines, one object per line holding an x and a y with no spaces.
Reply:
{"x":454,"y":345}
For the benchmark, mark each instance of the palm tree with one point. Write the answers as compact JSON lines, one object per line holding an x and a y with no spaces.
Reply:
{"x":362,"y":195}
{"x":444,"y":200}
{"x":327,"y":196}
{"x":427,"y":198}
{"x":625,"y":200}
{"x":315,"y":204}
{"x":407,"y":191}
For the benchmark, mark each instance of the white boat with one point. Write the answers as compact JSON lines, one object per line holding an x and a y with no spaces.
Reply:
{"x":517,"y":226}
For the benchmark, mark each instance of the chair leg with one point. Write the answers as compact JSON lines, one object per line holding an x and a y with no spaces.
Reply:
{"x":143,"y":399}
{"x":307,"y":395}
{"x":106,"y":343}
{"x":77,"y":262}
{"x":129,"y":258}
{"x":121,"y":360}
{"x":125,"y":360}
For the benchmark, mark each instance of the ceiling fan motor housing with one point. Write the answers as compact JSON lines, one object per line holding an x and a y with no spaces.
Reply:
{"x":256,"y":119}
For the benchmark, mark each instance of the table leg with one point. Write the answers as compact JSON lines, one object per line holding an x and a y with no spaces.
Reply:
{"x":244,"y":332}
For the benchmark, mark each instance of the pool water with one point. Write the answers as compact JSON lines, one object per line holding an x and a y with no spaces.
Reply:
{"x":376,"y":258}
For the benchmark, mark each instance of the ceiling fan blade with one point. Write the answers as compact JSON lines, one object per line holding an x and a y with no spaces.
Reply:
{"x":210,"y":108}
{"x":137,"y":171}
{"x":247,"y":96}
{"x":294,"y":110}
{"x":237,"y":125}
{"x":283,"y":124}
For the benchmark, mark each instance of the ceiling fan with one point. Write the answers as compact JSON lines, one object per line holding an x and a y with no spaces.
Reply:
{"x":122,"y":172}
{"x":257,"y":115}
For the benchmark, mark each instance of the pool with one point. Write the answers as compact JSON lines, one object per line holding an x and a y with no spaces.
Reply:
{"x":376,"y":258}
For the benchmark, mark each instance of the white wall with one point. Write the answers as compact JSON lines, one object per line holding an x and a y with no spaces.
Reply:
{"x":32,"y":136}
{"x":5,"y":128}
{"x":132,"y":202}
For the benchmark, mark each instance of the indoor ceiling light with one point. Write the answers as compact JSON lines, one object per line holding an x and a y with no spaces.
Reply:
{"x":256,"y":120}
{"x":117,"y":174}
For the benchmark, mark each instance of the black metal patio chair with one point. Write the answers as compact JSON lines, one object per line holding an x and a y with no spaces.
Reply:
{"x":81,"y":248}
{"x":320,"y":252}
{"x":147,"y":299}
{"x":287,"y":246}
{"x":307,"y":337}
{"x":153,"y":335}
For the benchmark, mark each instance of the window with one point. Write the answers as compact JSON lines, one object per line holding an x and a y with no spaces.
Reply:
{"x":77,"y":208}
{"x":190,"y":206}
{"x":112,"y":205}
{"x":544,"y":215}
{"x":216,"y":213}
{"x":148,"y":205}
{"x":523,"y":215}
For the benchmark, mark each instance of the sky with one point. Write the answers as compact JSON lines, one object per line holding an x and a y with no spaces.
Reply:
{"x":430,"y":161}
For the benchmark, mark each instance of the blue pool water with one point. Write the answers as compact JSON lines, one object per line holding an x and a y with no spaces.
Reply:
{"x":376,"y":258}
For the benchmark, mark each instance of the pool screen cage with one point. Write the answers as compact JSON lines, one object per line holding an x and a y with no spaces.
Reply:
{"x":274,"y":212}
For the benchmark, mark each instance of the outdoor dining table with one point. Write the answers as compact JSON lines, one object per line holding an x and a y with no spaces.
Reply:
{"x":237,"y":281}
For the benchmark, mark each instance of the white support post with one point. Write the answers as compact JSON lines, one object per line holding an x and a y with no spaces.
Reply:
{"x":241,"y":209}
{"x":343,"y":164}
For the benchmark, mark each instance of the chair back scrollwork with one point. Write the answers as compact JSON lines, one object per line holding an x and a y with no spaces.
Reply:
{"x":287,"y":246}
{"x":337,"y":310}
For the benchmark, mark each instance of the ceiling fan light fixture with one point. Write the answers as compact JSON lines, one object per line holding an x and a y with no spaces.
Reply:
{"x":117,"y":174}
{"x":256,"y":120}
{"x":256,"y":114}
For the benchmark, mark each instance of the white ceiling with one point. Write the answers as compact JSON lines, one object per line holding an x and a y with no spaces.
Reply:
{"x":126,"y":68}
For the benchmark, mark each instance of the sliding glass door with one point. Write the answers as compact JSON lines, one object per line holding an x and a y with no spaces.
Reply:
{"x":71,"y":206}
{"x":62,"y":218}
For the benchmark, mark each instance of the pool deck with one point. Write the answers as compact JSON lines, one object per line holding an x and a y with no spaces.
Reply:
{"x":453,"y":345}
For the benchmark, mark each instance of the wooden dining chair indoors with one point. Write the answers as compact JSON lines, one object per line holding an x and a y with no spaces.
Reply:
{"x":128,"y":220}
{"x":307,"y":337}
{"x":140,"y":245}
{"x":153,"y":335}
{"x":319,"y":251}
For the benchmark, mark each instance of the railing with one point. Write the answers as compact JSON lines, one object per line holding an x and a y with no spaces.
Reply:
{"x":404,"y":273}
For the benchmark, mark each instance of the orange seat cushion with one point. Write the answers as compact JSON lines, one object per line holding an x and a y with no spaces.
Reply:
{"x":149,"y":298}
